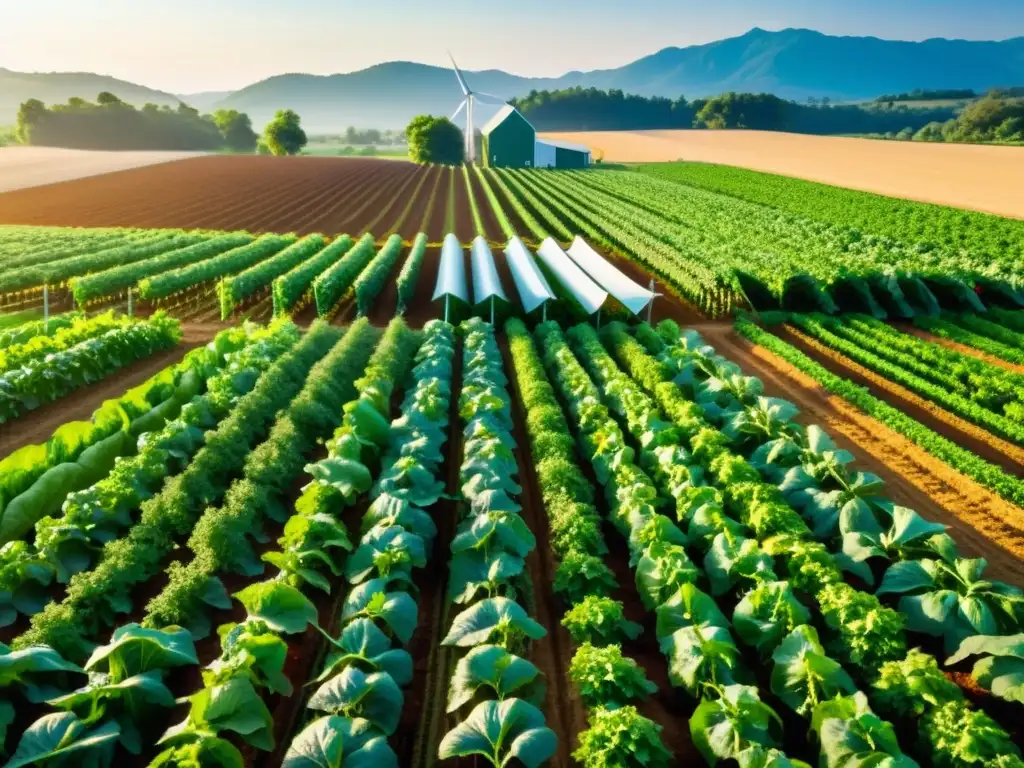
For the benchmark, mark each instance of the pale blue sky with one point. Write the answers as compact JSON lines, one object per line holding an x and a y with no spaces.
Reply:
{"x":196,"y":45}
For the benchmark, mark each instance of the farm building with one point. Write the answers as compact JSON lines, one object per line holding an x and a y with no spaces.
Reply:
{"x":510,"y":141}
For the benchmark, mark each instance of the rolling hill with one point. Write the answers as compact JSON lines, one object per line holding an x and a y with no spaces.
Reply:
{"x":792,"y":63}
{"x":58,"y":87}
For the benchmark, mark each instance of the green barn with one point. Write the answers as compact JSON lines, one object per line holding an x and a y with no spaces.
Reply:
{"x":510,"y":141}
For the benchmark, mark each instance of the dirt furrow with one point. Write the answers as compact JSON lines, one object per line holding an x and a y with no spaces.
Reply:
{"x":983,"y":524}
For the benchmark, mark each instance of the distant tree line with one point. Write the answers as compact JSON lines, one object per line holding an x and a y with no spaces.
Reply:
{"x":112,"y":124}
{"x":575,"y":109}
{"x":920,"y":94}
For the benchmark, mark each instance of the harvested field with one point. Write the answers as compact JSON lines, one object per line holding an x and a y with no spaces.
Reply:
{"x":23,"y":167}
{"x":982,"y":523}
{"x":259,"y":194}
{"x":982,"y":178}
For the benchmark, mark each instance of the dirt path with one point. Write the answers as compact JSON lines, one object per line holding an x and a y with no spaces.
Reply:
{"x":983,"y":524}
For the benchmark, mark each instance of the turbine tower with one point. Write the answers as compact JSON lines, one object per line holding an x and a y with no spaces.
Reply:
{"x":468,"y":104}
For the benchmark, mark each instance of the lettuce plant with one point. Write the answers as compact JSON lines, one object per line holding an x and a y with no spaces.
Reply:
{"x":601,"y":621}
{"x":605,"y":677}
{"x":624,"y":738}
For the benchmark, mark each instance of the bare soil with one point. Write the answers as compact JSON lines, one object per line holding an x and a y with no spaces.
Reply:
{"x":23,"y":167}
{"x":982,"y":178}
{"x":982,"y":523}
{"x":259,"y":194}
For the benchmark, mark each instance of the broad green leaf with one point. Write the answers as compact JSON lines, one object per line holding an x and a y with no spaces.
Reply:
{"x":233,"y":706}
{"x":133,"y":650}
{"x":703,"y":655}
{"x":338,"y":742}
{"x":350,"y":478}
{"x":768,"y":613}
{"x":363,"y":644}
{"x":723,"y":727}
{"x":281,"y":606}
{"x":803,"y":675}
{"x":491,"y":667}
{"x":57,"y":735}
{"x":496,"y":620}
{"x":397,"y":610}
{"x":687,"y":607}
{"x":502,"y":732}
{"x":353,"y":693}
{"x":40,"y":670}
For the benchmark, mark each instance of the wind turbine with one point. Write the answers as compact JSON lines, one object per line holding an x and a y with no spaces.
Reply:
{"x":468,"y":104}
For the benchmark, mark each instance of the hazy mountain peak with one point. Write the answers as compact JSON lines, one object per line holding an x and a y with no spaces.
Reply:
{"x":792,"y":63}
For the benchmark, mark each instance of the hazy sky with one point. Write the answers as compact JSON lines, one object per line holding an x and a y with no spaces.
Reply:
{"x":186,"y":46}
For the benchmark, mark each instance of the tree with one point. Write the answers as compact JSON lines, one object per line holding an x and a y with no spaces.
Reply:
{"x":284,"y":135}
{"x":107,"y":99}
{"x":236,"y":128}
{"x":30,"y":114}
{"x":435,"y":140}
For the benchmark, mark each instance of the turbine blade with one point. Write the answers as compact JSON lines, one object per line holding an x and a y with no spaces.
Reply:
{"x":462,"y":106}
{"x":458,"y":75}
{"x":489,"y":97}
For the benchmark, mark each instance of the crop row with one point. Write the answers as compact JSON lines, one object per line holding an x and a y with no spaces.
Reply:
{"x":78,"y":505}
{"x":980,"y":392}
{"x":493,"y":691}
{"x":922,"y":225}
{"x":108,"y":282}
{"x":363,"y":676}
{"x":41,"y":380}
{"x":59,"y":270}
{"x":609,"y":682}
{"x":939,"y":594}
{"x":95,"y":597}
{"x":272,"y":605}
{"x":634,"y":232}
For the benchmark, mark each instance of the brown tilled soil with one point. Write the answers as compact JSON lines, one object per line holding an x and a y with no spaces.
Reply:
{"x":1000,"y":452}
{"x":983,"y":178}
{"x":963,"y":349}
{"x":983,"y":524}
{"x":259,"y":194}
{"x":464,"y":227}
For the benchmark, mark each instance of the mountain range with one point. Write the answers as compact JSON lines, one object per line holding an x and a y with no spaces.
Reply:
{"x":791,"y":63}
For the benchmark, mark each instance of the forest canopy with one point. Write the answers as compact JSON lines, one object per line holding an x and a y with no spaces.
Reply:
{"x":591,"y":109}
{"x":112,"y":124}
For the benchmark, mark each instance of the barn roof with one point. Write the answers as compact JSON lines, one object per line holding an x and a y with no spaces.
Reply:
{"x":565,"y":145}
{"x":499,"y":117}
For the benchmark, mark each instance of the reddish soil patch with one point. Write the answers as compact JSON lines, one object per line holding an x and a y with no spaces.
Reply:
{"x":492,"y":228}
{"x":982,"y":523}
{"x":259,"y":194}
{"x":465,"y":229}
